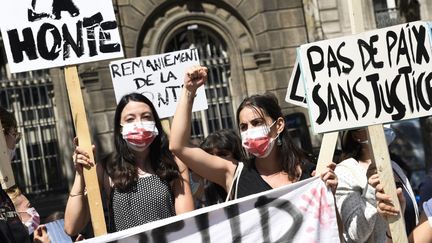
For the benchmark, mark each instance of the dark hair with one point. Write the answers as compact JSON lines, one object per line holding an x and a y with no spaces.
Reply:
{"x":7,"y":119}
{"x":225,"y":139}
{"x":222,"y":140}
{"x":267,"y":105}
{"x":350,"y":147}
{"x":121,"y":168}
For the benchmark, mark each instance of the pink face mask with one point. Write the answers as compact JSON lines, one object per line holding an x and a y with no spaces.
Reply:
{"x":257,"y":141}
{"x":34,"y":221}
{"x":139,"y":135}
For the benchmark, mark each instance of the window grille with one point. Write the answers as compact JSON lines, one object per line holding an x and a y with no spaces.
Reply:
{"x":214,"y":55}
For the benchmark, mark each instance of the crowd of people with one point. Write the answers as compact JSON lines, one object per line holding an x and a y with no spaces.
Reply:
{"x":149,"y":177}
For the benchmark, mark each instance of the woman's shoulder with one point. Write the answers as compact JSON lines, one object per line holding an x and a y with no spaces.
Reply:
{"x":349,"y":163}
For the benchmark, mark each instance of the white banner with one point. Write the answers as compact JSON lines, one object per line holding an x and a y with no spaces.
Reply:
{"x":301,"y":212}
{"x":375,"y":77}
{"x":159,"y":78}
{"x":42,"y":34}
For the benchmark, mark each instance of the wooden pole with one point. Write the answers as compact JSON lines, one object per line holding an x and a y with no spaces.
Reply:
{"x":378,"y":142}
{"x":7,"y":178}
{"x":328,"y":146}
{"x":82,"y":129}
{"x":385,"y":172}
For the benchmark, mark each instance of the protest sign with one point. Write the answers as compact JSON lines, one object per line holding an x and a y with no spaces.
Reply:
{"x":300,"y":212}
{"x":42,"y":34}
{"x":295,"y":92}
{"x":375,"y":77}
{"x":158,"y":77}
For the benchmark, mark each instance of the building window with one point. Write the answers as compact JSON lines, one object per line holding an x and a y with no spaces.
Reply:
{"x":386,"y":13}
{"x":213,"y":54}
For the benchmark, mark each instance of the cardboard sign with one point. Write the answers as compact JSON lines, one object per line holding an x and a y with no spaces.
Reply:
{"x":159,"y":78}
{"x":375,"y":77}
{"x":295,"y":92}
{"x":300,"y":212}
{"x":42,"y":34}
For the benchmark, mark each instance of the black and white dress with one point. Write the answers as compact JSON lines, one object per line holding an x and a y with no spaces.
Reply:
{"x":150,"y":199}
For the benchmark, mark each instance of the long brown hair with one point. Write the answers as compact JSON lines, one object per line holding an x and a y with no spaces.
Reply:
{"x":121,"y":168}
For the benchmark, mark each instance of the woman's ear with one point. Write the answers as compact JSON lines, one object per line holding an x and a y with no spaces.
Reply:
{"x":280,"y":124}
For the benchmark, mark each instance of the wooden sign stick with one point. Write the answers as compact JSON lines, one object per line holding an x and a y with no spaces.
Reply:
{"x":82,"y":129}
{"x":328,"y":145}
{"x":7,"y":178}
{"x":385,"y":172}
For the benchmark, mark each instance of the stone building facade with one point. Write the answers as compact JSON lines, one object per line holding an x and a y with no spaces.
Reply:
{"x":249,"y":46}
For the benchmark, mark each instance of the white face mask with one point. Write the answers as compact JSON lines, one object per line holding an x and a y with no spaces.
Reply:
{"x":12,"y":153}
{"x":139,"y":135}
{"x":257,"y":141}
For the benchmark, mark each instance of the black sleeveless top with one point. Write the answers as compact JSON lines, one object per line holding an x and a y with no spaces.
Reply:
{"x":150,"y":199}
{"x":251,"y":181}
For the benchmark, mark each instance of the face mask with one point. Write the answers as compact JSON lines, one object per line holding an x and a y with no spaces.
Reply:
{"x":390,"y":135}
{"x":12,"y":153}
{"x":34,"y":221}
{"x":257,"y":142}
{"x":139,"y":135}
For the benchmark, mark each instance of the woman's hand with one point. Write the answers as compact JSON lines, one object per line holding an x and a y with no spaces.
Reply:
{"x":80,"y":158}
{"x":385,"y":204}
{"x":195,"y":77}
{"x":329,"y":177}
{"x":40,"y":235}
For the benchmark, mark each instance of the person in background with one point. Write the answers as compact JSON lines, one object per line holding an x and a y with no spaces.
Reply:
{"x":28,"y":214}
{"x":224,"y":143}
{"x":275,"y":161}
{"x":355,"y":198}
{"x":142,"y":181}
{"x":12,"y":228}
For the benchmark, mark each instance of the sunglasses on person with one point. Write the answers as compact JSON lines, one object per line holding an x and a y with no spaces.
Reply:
{"x":15,"y":134}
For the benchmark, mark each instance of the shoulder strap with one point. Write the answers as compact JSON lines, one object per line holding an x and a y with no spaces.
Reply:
{"x":235,"y":177}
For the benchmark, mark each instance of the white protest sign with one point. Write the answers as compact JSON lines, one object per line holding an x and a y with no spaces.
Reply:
{"x":159,"y":78}
{"x":375,"y":77}
{"x":42,"y":34}
{"x":301,"y":212}
{"x":295,"y":92}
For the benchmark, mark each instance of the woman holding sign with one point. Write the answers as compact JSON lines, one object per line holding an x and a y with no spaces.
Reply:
{"x":355,"y":197}
{"x":143,"y":181}
{"x":275,"y":161}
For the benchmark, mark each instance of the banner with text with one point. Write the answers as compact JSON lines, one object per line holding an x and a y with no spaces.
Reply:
{"x":301,"y":212}
{"x":375,"y":77}
{"x":42,"y":34}
{"x":158,"y":77}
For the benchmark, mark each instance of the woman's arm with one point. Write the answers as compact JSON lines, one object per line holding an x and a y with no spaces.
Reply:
{"x":183,"y":200}
{"x":211,"y":167}
{"x":422,"y":233}
{"x":77,"y":213}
